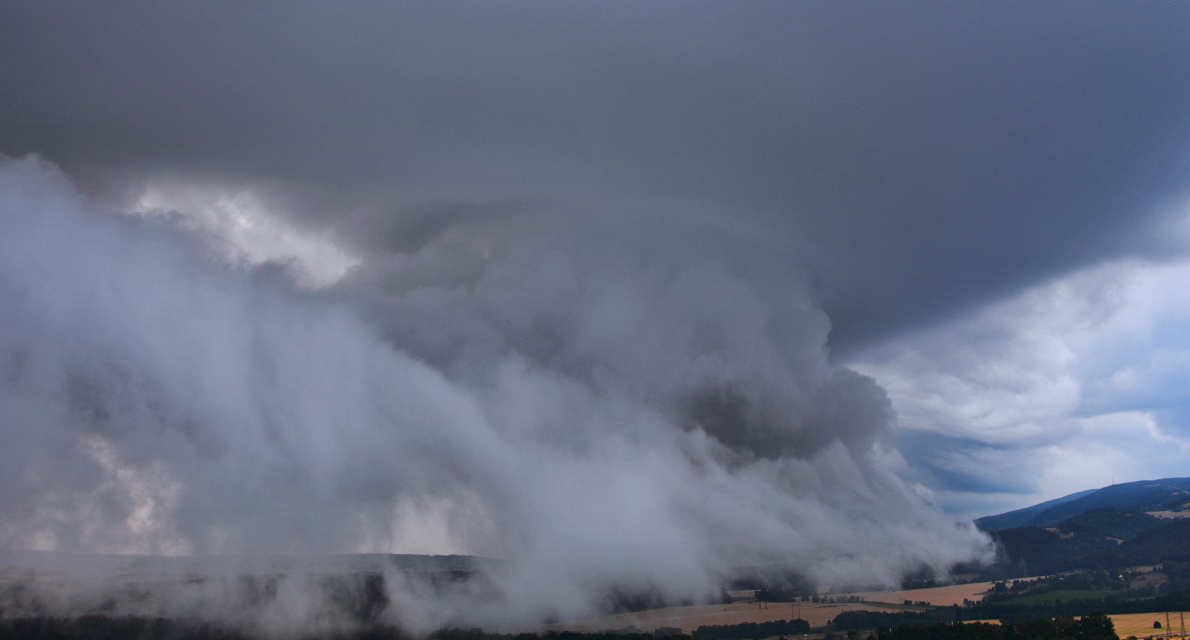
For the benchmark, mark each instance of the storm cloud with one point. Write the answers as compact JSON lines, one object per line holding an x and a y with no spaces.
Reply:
{"x":567,"y":284}
{"x":923,"y":156}
{"x":161,"y":402}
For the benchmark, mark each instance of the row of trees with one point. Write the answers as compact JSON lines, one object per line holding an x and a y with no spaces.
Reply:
{"x":886,"y":627}
{"x":1090,"y":627}
{"x":1175,"y":601}
{"x":748,"y":630}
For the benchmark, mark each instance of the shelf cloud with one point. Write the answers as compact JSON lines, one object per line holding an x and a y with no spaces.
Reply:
{"x":611,"y":421}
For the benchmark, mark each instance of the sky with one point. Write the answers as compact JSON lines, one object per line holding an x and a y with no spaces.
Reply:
{"x":689,"y":286}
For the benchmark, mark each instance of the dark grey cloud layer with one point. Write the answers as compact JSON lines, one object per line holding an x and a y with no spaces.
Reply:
{"x":922,"y":156}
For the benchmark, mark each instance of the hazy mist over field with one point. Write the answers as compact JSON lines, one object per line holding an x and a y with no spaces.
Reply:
{"x":623,"y":296}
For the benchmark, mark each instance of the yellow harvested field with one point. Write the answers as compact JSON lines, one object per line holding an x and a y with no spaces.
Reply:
{"x":937,"y":596}
{"x":1141,"y":624}
{"x":817,"y":614}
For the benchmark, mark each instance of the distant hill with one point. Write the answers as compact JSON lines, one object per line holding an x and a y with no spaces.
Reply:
{"x":1021,"y":517}
{"x":1103,"y":528}
{"x":1167,"y":542}
{"x":1143,"y":495}
{"x":1110,"y":523}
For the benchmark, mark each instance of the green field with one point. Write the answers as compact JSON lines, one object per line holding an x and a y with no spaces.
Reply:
{"x":1064,"y":596}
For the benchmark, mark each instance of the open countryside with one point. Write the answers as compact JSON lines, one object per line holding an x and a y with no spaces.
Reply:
{"x":818,"y":614}
{"x":1141,"y":624}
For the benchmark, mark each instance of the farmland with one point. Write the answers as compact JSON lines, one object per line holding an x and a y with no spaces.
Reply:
{"x":1141,"y":624}
{"x":936,"y":596}
{"x":689,"y":618}
{"x":1054,"y":596}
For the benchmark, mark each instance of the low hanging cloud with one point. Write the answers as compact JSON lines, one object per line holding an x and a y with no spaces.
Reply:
{"x":642,"y":417}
